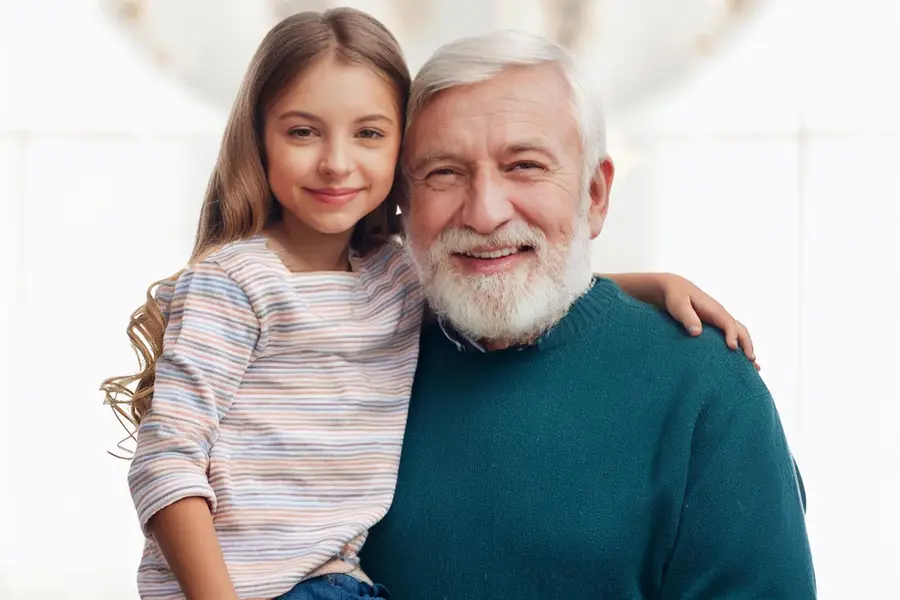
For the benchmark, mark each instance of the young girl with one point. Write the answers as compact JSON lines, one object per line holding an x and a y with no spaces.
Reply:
{"x":280,"y":362}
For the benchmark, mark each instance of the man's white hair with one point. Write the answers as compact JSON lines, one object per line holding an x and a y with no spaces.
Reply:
{"x":477,"y":59}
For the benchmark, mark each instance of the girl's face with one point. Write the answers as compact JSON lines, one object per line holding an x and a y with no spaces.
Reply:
{"x":332,"y":140}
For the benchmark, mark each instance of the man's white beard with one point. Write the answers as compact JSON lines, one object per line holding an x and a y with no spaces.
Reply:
{"x":512,"y":307}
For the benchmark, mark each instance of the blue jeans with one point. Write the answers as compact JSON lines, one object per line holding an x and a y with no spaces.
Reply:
{"x":335,"y":587}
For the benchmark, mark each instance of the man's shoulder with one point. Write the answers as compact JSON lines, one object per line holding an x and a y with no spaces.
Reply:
{"x":650,"y":341}
{"x":628,"y":323}
{"x":631,"y":322}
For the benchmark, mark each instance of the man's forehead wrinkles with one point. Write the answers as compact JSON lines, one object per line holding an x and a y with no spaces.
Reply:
{"x":461,"y":131}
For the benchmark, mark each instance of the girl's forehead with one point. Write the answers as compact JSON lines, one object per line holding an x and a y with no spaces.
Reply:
{"x":338,"y":92}
{"x":329,"y":78}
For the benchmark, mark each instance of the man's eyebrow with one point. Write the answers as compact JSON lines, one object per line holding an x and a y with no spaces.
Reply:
{"x":531,"y":146}
{"x":522,"y":147}
{"x":433,"y":157}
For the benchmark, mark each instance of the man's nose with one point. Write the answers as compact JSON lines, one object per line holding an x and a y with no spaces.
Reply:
{"x":336,"y":161}
{"x":487,"y":205}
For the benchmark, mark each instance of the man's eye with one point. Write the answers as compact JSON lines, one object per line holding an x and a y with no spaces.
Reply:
{"x":444,"y":171}
{"x":526,"y":165}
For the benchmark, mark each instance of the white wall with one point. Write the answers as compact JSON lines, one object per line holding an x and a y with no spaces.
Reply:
{"x":770,"y":177}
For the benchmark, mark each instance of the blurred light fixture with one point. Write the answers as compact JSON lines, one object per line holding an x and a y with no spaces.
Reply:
{"x":630,"y":48}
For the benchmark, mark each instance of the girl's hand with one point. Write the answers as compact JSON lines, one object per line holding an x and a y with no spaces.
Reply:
{"x":688,"y":304}
{"x":691,"y":306}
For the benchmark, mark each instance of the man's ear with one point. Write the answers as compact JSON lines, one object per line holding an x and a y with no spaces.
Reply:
{"x":599,"y":193}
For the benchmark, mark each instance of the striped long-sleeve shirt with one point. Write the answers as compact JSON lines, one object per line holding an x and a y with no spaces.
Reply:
{"x":281,"y":399}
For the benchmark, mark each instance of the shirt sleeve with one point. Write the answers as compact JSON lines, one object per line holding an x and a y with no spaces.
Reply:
{"x":403,"y":275}
{"x":209,"y":343}
{"x":742,"y":533}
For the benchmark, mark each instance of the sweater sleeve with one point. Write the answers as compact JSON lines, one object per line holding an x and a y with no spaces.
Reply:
{"x":742,"y":532}
{"x":209,"y":342}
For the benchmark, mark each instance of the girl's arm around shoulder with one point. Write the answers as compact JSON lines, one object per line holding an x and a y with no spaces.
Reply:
{"x":687,"y":304}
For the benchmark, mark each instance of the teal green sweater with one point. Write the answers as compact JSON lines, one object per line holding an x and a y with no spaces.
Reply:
{"x":616,"y":459}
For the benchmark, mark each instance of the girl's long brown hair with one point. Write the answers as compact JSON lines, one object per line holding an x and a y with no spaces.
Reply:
{"x":238,"y":203}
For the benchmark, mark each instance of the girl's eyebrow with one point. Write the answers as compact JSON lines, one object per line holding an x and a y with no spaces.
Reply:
{"x":311,"y":117}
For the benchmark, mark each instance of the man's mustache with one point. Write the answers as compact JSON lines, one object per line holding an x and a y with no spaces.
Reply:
{"x":514,"y":234}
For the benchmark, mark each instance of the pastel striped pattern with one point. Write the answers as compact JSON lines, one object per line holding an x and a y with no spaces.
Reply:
{"x":281,"y":399}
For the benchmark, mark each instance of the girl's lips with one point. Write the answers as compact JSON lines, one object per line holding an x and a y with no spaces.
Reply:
{"x":334,"y":196}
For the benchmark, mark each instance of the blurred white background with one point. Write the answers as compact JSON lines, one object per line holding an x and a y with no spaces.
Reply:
{"x":764,"y":165}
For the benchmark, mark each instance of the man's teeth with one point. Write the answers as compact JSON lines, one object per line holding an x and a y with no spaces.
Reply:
{"x":493,"y":254}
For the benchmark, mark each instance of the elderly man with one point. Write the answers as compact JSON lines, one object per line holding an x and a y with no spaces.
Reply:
{"x":563,"y":440}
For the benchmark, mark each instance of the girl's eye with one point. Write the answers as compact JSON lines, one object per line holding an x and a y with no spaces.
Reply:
{"x":370,"y":134}
{"x":301,"y":132}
